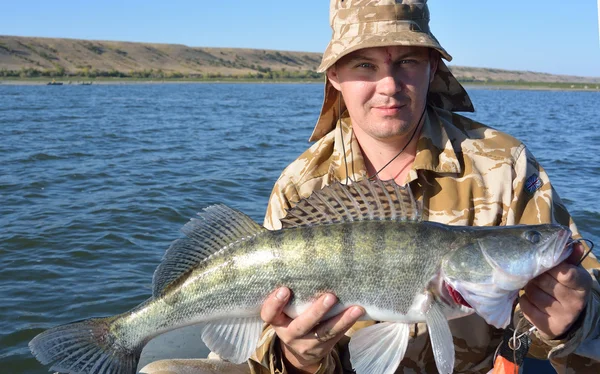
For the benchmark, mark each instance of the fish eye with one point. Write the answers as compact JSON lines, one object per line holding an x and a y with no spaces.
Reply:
{"x":534,"y":237}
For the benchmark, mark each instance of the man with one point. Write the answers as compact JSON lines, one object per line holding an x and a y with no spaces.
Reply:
{"x":389,"y":113}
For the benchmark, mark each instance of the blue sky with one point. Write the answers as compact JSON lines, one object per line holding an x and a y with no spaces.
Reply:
{"x":559,"y":37}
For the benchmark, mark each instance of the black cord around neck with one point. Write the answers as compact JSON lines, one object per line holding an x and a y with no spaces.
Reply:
{"x":403,"y":148}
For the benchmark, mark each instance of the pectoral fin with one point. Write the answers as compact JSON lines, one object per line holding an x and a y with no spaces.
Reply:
{"x":233,"y":339}
{"x":441,"y":339}
{"x":378,"y":349}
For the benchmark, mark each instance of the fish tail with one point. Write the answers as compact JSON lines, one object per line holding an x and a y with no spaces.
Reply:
{"x":87,"y":346}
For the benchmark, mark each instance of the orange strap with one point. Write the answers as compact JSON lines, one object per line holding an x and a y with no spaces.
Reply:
{"x":504,"y":366}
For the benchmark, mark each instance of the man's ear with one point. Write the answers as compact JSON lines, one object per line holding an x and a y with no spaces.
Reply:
{"x":333,"y":77}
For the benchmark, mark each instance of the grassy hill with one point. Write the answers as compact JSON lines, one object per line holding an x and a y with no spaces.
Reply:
{"x":27,"y":57}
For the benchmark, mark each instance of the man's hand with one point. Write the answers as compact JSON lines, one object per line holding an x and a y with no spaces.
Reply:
{"x":554,"y":300}
{"x":299,"y":345}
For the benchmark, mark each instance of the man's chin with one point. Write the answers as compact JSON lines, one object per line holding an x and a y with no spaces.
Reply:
{"x":394,"y":126}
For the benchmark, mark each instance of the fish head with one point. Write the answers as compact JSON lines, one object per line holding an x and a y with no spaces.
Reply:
{"x":492,"y":264}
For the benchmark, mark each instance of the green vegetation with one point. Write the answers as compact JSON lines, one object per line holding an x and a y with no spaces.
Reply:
{"x":94,"y":48}
{"x":533,"y":85}
{"x":5,"y":48}
{"x":48,"y":56}
{"x":263,"y":74}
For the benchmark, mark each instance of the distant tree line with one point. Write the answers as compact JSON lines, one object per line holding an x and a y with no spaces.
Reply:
{"x":88,"y":72}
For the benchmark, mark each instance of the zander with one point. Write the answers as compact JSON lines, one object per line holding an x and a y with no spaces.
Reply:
{"x":364,"y":242}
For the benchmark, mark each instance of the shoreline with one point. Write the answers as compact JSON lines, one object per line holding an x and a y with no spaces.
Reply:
{"x":542,"y":86}
{"x":590,"y":88}
{"x":38,"y":82}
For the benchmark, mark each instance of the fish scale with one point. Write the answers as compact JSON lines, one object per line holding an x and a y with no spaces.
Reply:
{"x":319,"y":265}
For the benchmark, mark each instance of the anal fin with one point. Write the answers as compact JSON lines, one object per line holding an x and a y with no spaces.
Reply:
{"x":378,"y":349}
{"x":233,"y":339}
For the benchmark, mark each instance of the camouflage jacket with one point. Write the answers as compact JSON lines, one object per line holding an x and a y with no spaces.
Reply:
{"x":465,"y":174}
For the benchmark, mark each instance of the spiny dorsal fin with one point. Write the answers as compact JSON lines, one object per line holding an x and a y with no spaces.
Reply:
{"x":362,"y":200}
{"x":219,"y":227}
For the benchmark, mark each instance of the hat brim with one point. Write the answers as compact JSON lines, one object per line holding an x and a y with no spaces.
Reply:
{"x":341,"y":47}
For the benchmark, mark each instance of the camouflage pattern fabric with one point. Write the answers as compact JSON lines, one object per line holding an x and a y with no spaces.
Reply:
{"x":465,"y":173}
{"x":358,"y":24}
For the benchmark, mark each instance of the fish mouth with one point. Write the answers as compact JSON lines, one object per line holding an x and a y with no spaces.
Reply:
{"x":563,"y":247}
{"x":564,"y":243}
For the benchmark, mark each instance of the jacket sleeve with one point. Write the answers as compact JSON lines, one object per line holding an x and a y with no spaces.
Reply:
{"x":535,"y":201}
{"x":282,"y":196}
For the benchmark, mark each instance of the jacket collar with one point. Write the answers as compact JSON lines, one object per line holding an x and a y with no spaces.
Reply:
{"x":435,"y":151}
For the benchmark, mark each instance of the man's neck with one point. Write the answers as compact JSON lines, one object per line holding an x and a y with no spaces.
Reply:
{"x":401,"y":151}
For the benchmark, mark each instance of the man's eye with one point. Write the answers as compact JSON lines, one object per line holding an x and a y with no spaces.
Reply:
{"x":404,"y":62}
{"x":365,"y":65}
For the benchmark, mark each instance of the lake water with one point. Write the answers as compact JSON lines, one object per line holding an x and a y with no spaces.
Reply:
{"x":96,"y":181}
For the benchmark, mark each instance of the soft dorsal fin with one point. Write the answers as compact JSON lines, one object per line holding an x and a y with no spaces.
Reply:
{"x":219,"y":227}
{"x":362,"y":200}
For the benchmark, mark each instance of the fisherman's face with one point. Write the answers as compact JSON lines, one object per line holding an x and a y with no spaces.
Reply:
{"x":384,"y":89}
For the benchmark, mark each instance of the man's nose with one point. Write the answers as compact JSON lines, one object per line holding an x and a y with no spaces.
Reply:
{"x":389,"y":84}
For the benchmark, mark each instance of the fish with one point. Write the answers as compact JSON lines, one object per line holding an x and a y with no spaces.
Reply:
{"x":365,"y":241}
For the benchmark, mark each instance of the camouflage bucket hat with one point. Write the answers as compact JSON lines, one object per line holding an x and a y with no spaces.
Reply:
{"x":359,"y":24}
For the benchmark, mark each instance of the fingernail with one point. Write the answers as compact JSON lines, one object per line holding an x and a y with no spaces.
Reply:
{"x":329,"y":300}
{"x":282,"y":294}
{"x":356,"y":312}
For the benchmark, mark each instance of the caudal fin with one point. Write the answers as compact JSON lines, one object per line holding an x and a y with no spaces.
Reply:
{"x":85,"y":347}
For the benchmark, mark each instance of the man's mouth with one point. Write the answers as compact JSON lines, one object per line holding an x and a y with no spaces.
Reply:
{"x":388,"y":109}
